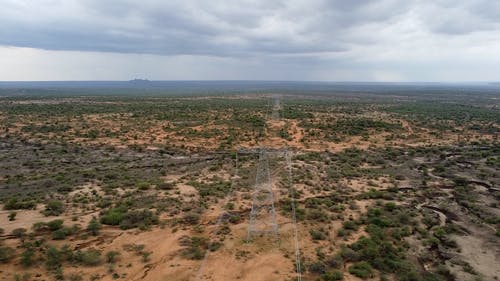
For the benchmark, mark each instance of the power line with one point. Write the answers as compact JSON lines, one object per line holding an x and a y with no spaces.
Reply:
{"x":294,"y":216}
{"x":201,"y":269}
{"x":263,"y":213}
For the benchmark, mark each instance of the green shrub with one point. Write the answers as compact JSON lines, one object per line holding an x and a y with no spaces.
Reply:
{"x":349,"y":254}
{"x":214,"y":246}
{"x":39,"y":226}
{"x":334,"y":261}
{"x":317,"y":235}
{"x":350,"y":225}
{"x":59,"y":234}
{"x":113,"y":216}
{"x":15,"y":204}
{"x":143,"y":185}
{"x":54,"y":208}
{"x":19,"y":232}
{"x":111,"y":256}
{"x":138,"y":218}
{"x":332,"y":276}
{"x":195,"y":247}
{"x":53,"y":258}
{"x":361,"y":269}
{"x":12,"y":216}
{"x":218,"y":189}
{"x":317,"y":267}
{"x":234,"y":218}
{"x":191,"y":218}
{"x":55,"y":224}
{"x":88,"y":258}
{"x":94,"y":226}
{"x":390,"y":206}
{"x":6,"y":254}
{"x":165,"y":186}
{"x":27,"y":257}
{"x":317,"y":215}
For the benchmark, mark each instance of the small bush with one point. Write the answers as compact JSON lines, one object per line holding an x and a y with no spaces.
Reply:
{"x":361,"y":269}
{"x":191,"y":218}
{"x":55,"y":224}
{"x":165,"y":186}
{"x":6,"y":254}
{"x":195,"y":247}
{"x":214,"y":246}
{"x":88,"y":258}
{"x":54,"y":208}
{"x":317,"y":215}
{"x":138,"y":218}
{"x":112,"y":256}
{"x":12,"y":216}
{"x":15,"y":204}
{"x":27,"y":257}
{"x":53,"y":258}
{"x":317,"y":235}
{"x":332,"y":276}
{"x":334,"y":261}
{"x":349,"y":254}
{"x":350,"y":225}
{"x":143,"y":185}
{"x":234,"y":218}
{"x":19,"y":232}
{"x":59,"y":234}
{"x":317,"y":267}
{"x":113,"y":216}
{"x":94,"y":226}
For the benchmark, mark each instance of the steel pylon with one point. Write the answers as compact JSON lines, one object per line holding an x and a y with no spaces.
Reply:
{"x":263,"y":213}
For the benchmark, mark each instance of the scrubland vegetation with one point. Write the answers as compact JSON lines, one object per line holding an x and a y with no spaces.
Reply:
{"x":131,"y":187}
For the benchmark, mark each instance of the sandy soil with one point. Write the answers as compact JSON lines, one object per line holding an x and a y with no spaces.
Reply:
{"x":485,"y":260}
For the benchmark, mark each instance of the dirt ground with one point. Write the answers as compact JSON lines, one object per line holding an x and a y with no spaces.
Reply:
{"x":263,"y":258}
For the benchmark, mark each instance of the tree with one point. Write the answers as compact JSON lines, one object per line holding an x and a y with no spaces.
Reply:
{"x":19,"y":233}
{"x":111,"y":256}
{"x":12,"y":216}
{"x":94,"y":226}
{"x":54,"y":258}
{"x":6,"y":254}
{"x":54,"y":208}
{"x":55,"y":225}
{"x":27,"y":257}
{"x":361,"y":269}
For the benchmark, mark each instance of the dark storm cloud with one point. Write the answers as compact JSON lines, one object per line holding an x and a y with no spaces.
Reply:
{"x":187,"y":27}
{"x":382,"y":40}
{"x":222,"y":28}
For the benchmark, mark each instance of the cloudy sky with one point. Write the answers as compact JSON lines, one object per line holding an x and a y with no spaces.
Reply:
{"x":329,"y":40}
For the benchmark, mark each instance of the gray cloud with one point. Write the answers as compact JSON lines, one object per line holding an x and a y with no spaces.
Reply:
{"x":218,"y":28}
{"x":450,"y":17}
{"x":330,"y":39}
{"x":223,"y":28}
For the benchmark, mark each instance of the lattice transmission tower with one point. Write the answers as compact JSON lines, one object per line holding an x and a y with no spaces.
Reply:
{"x":263,"y":214}
{"x":276,"y":108}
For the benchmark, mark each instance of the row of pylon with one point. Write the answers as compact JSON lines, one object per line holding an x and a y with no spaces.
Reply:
{"x":263,"y":212}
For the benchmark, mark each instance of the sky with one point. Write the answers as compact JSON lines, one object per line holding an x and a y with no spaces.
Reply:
{"x":306,"y":40}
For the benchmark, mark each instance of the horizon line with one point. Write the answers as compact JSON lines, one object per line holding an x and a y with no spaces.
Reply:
{"x":254,"y":80}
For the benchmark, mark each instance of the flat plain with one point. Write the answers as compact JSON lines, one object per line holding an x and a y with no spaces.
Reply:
{"x":399,"y":185}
